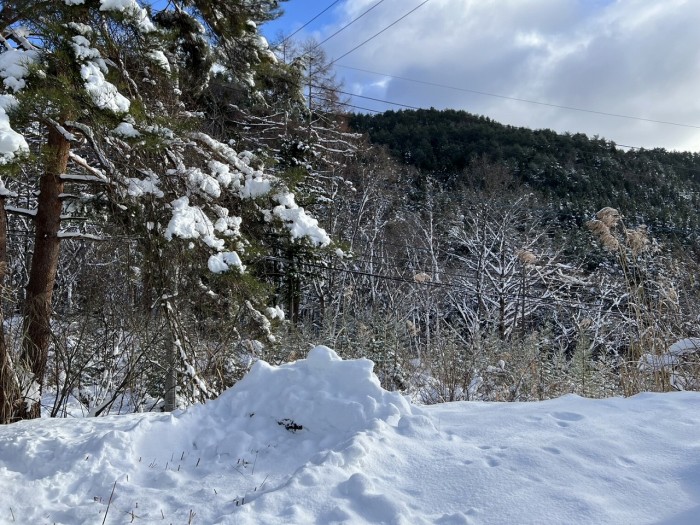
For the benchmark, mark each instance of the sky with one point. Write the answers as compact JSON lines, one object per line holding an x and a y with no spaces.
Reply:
{"x":318,"y":441}
{"x":515,"y":61}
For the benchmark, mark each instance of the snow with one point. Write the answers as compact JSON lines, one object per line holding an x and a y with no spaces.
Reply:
{"x":222,"y":262}
{"x":14,"y":67}
{"x":12,"y":144}
{"x":127,"y":130}
{"x":256,"y":185}
{"x":319,"y":441}
{"x":673,"y":357}
{"x":275,"y":313}
{"x":103,"y":93}
{"x":148,"y":186}
{"x":93,"y":68}
{"x":685,"y":346}
{"x":200,"y":181}
{"x":223,"y":174}
{"x":131,"y":8}
{"x":82,"y":29}
{"x":21,"y":211}
{"x":4,"y":192}
{"x":159,"y":58}
{"x":190,"y":222}
{"x":298,"y":222}
{"x":78,"y":235}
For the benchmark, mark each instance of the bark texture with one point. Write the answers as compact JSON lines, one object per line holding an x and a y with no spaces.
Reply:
{"x":42,"y":274}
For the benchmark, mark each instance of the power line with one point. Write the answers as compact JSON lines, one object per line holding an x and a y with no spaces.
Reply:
{"x":532,"y":299}
{"x":330,"y":101}
{"x":345,"y":26}
{"x":336,"y":102}
{"x":337,"y":90}
{"x":467,"y":90}
{"x":517,"y":99}
{"x":379,"y":33}
{"x":310,"y":21}
{"x":415,"y":108}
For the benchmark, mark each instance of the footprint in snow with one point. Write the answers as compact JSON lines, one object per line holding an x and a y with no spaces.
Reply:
{"x":566,"y":418}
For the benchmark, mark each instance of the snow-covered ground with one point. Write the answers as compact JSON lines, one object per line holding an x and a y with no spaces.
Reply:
{"x":319,"y":442}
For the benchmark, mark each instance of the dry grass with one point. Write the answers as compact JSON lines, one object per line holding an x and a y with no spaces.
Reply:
{"x":527,"y":257}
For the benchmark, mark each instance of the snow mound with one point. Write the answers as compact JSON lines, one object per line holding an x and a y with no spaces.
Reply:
{"x":302,"y":408}
{"x":318,"y":441}
{"x":322,"y":393}
{"x":279,"y":426}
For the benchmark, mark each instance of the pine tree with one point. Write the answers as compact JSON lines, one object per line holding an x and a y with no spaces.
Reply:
{"x":105,"y":84}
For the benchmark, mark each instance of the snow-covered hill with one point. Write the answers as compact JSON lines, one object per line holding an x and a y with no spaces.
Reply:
{"x":318,"y":441}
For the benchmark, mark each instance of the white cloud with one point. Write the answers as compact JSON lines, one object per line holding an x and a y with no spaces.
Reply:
{"x":629,"y":57}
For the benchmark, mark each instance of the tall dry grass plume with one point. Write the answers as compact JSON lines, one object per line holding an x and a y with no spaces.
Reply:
{"x":527,"y":257}
{"x":651,"y":300}
{"x":603,"y":225}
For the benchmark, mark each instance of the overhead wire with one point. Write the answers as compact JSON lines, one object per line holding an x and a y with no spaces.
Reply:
{"x":343,"y":28}
{"x":347,"y":104}
{"x":416,"y":108}
{"x":467,"y":90}
{"x":310,"y":21}
{"x":379,"y":32}
{"x":393,"y":263}
{"x":436,"y":284}
{"x":346,"y":26}
{"x":518,"y":99}
{"x":338,"y":90}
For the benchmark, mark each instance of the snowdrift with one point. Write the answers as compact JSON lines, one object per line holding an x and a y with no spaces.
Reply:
{"x":319,"y":441}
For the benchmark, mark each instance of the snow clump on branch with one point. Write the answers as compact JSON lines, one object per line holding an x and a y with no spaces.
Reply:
{"x":14,"y":67}
{"x":299,"y":224}
{"x":132,"y":9}
{"x":93,"y":68}
{"x":12,"y":144}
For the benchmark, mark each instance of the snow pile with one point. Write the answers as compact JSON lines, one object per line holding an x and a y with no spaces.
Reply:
{"x":322,"y":400}
{"x":672,"y":356}
{"x":322,"y":393}
{"x":318,"y":441}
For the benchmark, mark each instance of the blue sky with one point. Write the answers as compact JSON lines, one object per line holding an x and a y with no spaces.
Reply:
{"x":296,"y":14}
{"x":631,"y":58}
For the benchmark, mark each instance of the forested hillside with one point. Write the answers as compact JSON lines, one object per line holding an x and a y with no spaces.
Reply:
{"x":577,"y":173}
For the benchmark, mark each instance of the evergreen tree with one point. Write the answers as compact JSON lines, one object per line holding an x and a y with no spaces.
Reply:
{"x":93,"y":90}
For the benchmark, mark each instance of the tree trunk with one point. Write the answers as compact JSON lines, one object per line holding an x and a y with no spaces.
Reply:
{"x":10,"y":393}
{"x":172,"y":356}
{"x":42,"y":274}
